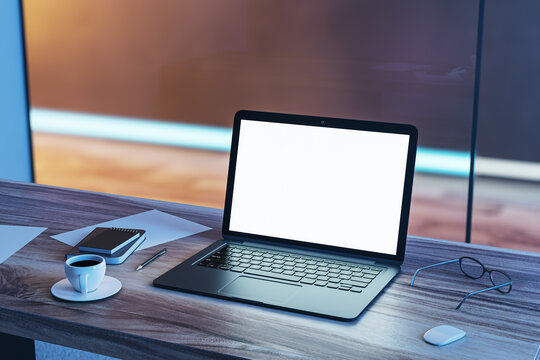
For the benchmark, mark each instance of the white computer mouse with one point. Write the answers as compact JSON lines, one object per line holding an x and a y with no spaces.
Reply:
{"x":443,"y":335}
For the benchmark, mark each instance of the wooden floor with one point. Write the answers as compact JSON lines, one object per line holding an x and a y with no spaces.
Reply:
{"x":506,"y":214}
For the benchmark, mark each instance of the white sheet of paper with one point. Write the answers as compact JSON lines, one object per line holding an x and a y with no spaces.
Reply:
{"x":160,"y":228}
{"x":15,"y":237}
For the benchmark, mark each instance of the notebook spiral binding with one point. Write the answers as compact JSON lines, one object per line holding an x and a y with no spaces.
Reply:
{"x":123,"y":229}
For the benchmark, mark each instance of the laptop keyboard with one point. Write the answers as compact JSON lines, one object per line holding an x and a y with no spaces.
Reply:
{"x":292,"y":267}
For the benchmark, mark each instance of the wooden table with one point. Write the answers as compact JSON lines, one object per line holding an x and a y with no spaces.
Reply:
{"x":146,"y":322}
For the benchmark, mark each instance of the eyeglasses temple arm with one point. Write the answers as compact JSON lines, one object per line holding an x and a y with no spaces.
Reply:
{"x":430,"y":266}
{"x":481,"y":291}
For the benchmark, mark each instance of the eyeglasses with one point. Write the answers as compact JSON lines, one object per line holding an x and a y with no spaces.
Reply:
{"x":474,"y":269}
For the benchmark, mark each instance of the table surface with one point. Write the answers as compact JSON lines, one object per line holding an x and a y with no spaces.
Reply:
{"x":144,"y":321}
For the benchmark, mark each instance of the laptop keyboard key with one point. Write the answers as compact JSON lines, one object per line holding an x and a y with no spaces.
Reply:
{"x":373,"y":272}
{"x":272,"y":275}
{"x":355,"y":283}
{"x":356,"y":289}
{"x":307,"y":281}
{"x":238,"y":269}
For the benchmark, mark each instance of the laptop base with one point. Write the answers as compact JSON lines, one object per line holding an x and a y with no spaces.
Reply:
{"x":275,"y":293}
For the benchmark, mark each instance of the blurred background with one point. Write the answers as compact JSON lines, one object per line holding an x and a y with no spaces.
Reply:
{"x":137,"y":97}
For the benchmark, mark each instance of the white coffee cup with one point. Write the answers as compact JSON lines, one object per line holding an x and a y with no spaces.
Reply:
{"x":85,"y":272}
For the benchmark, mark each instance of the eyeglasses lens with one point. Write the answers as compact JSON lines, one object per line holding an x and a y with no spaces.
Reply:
{"x":471,"y":268}
{"x":499,"y":278}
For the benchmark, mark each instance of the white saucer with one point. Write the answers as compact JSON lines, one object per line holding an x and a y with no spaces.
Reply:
{"x":65,"y":291}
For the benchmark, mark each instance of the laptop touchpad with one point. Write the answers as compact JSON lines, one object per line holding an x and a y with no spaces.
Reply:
{"x":265,"y":291}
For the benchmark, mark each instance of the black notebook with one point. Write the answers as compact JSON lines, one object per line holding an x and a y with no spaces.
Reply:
{"x":117,"y":257}
{"x":107,"y":241}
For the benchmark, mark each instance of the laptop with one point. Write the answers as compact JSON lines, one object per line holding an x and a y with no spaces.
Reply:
{"x":315,"y":218}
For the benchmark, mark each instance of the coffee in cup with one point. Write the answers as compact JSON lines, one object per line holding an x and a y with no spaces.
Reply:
{"x":85,"y":272}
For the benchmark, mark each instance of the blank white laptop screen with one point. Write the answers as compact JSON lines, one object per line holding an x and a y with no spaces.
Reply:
{"x":320,"y":185}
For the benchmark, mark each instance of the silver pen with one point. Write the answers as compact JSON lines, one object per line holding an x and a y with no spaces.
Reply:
{"x":151,"y":259}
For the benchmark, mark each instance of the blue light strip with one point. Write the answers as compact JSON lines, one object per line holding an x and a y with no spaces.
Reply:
{"x":131,"y":129}
{"x":444,"y":162}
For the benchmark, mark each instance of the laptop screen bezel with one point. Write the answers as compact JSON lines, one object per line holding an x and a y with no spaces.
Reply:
{"x":330,"y":123}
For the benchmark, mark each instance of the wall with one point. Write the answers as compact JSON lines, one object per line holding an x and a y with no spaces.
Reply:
{"x":200,"y":61}
{"x":15,"y":148}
